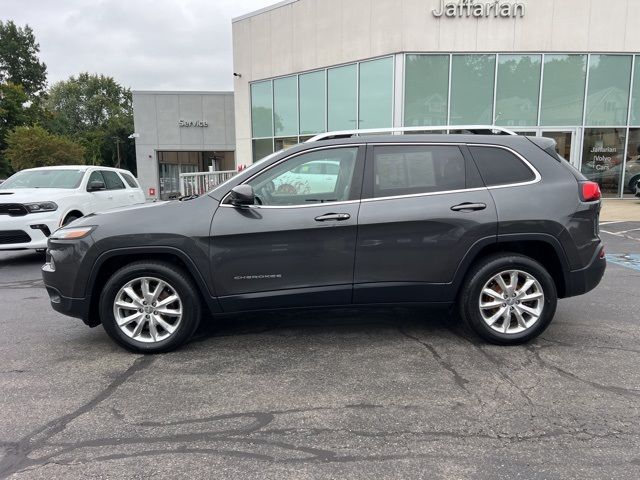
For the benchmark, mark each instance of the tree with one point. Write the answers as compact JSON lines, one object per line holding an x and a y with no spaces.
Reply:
{"x":19,"y":63}
{"x":12,"y":114}
{"x":97,"y":112}
{"x":29,"y":147}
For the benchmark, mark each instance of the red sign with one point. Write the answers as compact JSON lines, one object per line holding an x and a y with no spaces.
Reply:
{"x":152,"y":192}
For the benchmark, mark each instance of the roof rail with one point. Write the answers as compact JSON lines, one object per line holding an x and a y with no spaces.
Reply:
{"x":398,"y":130}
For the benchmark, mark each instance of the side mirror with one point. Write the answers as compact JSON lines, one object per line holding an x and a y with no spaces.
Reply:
{"x":96,"y":186}
{"x":242,"y":195}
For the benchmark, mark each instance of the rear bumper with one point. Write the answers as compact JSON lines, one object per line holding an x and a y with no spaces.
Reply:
{"x":582,"y":281}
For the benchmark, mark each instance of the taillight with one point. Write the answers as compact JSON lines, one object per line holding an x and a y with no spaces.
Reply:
{"x":590,"y":191}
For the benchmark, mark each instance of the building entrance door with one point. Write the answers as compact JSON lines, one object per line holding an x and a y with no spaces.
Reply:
{"x":566,"y":144}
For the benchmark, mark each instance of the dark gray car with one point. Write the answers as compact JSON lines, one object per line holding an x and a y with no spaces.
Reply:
{"x":499,"y":226}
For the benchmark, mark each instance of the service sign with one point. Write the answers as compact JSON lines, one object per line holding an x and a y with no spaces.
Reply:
{"x":193,"y":123}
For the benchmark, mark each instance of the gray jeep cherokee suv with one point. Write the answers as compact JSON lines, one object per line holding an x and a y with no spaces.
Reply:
{"x":499,"y":226}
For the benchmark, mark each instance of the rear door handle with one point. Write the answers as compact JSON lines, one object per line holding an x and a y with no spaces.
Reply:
{"x":333,"y":217}
{"x":468,"y":207}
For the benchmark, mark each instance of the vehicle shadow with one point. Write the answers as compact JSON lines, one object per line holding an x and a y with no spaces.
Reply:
{"x":22,"y":258}
{"x":437,"y":321}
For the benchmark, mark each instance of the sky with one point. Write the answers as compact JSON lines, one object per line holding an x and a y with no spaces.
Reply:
{"x":143,"y":44}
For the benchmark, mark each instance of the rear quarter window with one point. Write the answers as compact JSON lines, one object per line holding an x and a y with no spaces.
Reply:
{"x":129,"y":179}
{"x":500,"y":167}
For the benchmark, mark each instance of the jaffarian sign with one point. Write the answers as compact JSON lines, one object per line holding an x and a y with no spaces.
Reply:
{"x":471,"y":8}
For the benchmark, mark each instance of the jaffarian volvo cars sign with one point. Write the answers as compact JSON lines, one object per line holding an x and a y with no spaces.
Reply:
{"x":471,"y":8}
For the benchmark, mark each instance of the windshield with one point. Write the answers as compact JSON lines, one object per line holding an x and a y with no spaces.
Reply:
{"x":44,"y":179}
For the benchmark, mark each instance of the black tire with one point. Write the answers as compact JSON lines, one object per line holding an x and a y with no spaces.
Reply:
{"x":178,"y":280}
{"x":481,"y":273}
{"x":69,"y":219}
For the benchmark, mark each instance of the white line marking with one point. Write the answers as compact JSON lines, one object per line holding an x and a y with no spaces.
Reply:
{"x":611,"y":223}
{"x":621,"y":236}
{"x":627,"y":231}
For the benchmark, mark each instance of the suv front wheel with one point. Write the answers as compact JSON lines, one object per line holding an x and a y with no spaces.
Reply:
{"x":508,"y":299}
{"x":150,"y":307}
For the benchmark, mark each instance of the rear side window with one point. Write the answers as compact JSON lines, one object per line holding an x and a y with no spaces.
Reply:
{"x":112,"y":180}
{"x":415,"y":169}
{"x":129,"y":179}
{"x":500,"y":167}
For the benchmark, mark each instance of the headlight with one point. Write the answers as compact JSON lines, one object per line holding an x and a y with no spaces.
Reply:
{"x":71,"y":233}
{"x":41,"y":207}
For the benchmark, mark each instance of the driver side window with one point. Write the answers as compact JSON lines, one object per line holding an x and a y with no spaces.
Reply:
{"x":321,"y":176}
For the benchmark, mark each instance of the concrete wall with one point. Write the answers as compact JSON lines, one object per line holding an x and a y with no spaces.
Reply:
{"x":299,"y":35}
{"x":156,"y":116}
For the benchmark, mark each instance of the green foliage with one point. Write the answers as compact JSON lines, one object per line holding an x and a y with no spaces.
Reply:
{"x":97,"y":112}
{"x":22,"y":81}
{"x":19,"y":63}
{"x":15,"y":110}
{"x":29,"y":147}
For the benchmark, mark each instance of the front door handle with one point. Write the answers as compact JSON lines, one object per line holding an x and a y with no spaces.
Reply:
{"x":468,"y":207}
{"x":333,"y":217}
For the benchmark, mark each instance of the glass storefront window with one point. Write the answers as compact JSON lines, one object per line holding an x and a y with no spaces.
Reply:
{"x":261,"y":109}
{"x":563,"y":90}
{"x":608,"y":95}
{"x":632,"y":166}
{"x":426,"y":94}
{"x":518,"y":90}
{"x":262,"y":148}
{"x":284,"y":143}
{"x":285,"y":106}
{"x":472,"y":82}
{"x":342,"y":96}
{"x":312,"y":102}
{"x":635,"y":99}
{"x":376,"y":93}
{"x":602,"y":158}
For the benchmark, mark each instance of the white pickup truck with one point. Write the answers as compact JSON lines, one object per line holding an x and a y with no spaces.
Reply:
{"x":35,"y":202}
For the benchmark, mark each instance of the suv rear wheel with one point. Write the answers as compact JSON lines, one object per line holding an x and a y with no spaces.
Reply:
{"x":150,"y":307}
{"x":508,"y":299}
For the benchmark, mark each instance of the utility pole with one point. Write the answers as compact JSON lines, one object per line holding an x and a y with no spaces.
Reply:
{"x":118,"y":150}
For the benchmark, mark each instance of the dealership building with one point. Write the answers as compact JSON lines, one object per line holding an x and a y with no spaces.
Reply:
{"x":565,"y":69}
{"x":181,"y":132}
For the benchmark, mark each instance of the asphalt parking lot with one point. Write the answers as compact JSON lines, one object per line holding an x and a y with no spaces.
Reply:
{"x":385,"y":393}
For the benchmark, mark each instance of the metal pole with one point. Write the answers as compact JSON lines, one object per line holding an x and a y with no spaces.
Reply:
{"x":118,"y":150}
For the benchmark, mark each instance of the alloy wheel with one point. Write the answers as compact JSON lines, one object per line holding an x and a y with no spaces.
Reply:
{"x":511,"y":302}
{"x":147,"y":309}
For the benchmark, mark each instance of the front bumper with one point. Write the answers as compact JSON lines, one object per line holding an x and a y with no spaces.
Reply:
{"x":584,"y":280}
{"x":38,"y":226}
{"x":72,"y":307}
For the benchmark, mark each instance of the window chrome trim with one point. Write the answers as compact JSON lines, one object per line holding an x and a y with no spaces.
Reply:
{"x":537,"y":175}
{"x":427,"y":194}
{"x":281,"y":207}
{"x":297,"y":154}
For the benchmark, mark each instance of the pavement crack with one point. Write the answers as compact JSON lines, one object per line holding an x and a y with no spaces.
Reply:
{"x":626,"y":392}
{"x":459,"y":380}
{"x":17,"y":457}
{"x":595,"y":347}
{"x":35,"y":283}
